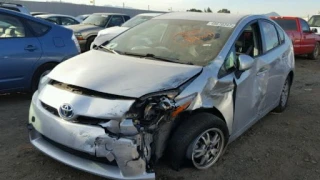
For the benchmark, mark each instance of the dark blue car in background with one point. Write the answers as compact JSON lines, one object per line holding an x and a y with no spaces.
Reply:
{"x":29,"y":49}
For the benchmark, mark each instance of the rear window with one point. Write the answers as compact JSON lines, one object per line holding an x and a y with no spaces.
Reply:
{"x":11,"y":8}
{"x":38,"y":28}
{"x":287,"y":24}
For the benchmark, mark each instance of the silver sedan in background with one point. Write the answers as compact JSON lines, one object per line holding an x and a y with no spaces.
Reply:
{"x":109,"y":33}
{"x":187,"y":82}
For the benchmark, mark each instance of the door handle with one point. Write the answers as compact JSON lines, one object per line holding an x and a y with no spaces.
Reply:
{"x":30,"y":48}
{"x":262,"y":70}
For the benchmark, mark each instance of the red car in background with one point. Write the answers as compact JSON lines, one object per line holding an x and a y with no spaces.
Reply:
{"x":304,"y":40}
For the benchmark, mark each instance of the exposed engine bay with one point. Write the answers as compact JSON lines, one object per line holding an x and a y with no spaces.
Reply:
{"x":139,"y":140}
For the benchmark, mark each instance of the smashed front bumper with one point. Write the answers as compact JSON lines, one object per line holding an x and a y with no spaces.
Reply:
{"x":55,"y":137}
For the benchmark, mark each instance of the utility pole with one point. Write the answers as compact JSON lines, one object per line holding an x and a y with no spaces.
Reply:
{"x":148,"y":8}
{"x":123,"y":5}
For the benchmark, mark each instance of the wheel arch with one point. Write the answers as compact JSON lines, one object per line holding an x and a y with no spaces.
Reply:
{"x":36,"y":70}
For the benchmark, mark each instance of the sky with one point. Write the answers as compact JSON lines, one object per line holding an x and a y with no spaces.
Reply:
{"x":301,"y":8}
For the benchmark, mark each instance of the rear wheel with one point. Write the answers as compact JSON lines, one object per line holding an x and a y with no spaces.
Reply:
{"x":201,"y":140}
{"x":315,"y":54}
{"x":41,"y":72}
{"x":284,"y":96}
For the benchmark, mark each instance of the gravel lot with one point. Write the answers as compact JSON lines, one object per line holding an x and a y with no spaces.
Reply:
{"x":280,"y":146}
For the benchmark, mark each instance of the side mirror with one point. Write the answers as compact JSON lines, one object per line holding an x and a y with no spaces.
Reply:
{"x":245,"y":62}
{"x":315,"y":30}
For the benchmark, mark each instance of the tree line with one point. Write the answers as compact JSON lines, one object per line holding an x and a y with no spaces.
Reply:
{"x":208,"y":10}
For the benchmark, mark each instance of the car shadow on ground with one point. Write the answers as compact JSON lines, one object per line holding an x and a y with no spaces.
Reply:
{"x":14,"y":97}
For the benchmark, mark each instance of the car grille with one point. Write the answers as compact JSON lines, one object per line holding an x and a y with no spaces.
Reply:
{"x":79,"y":153}
{"x":80,"y":119}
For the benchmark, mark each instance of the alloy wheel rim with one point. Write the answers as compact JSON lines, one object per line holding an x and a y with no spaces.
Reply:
{"x":316,"y":51}
{"x":207,"y":148}
{"x":285,"y":93}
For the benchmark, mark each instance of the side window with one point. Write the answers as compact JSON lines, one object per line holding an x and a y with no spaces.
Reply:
{"x":126,"y":18}
{"x":38,"y":28}
{"x":304,"y":25}
{"x":54,"y":20}
{"x":11,"y":27}
{"x":68,"y":21}
{"x":247,"y":43}
{"x":281,"y":35}
{"x":11,"y":8}
{"x":115,"y":21}
{"x":270,"y":35}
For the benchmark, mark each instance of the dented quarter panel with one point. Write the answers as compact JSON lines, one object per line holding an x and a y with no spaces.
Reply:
{"x":213,"y":92}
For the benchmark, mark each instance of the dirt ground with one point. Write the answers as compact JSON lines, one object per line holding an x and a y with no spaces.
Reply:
{"x":280,"y":146}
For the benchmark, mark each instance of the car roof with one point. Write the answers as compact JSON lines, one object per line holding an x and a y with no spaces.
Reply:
{"x":284,"y":17}
{"x":50,"y":15}
{"x":111,"y":14}
{"x":149,"y":14}
{"x":216,"y":17}
{"x":26,"y":16}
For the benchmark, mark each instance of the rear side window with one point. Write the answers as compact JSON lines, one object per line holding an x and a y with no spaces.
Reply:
{"x":287,"y":24}
{"x":11,"y":8}
{"x":281,"y":35}
{"x":38,"y":28}
{"x":270,"y":35}
{"x":11,"y":27}
{"x":126,"y":18}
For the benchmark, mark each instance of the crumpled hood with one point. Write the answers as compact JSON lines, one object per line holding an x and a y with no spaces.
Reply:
{"x":122,"y":75}
{"x":84,"y":28}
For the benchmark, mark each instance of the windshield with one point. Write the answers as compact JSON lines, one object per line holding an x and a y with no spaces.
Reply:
{"x":97,"y":20}
{"x":180,"y":41}
{"x":314,"y":21}
{"x":136,"y":20}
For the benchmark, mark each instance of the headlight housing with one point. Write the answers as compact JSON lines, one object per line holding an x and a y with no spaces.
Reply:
{"x":78,"y":36}
{"x":43,"y":82}
{"x":75,"y":40}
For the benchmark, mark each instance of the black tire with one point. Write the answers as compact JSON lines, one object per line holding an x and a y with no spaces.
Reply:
{"x":37,"y":75}
{"x":315,"y":54}
{"x":283,"y":105}
{"x":89,"y":42}
{"x":188,"y":131}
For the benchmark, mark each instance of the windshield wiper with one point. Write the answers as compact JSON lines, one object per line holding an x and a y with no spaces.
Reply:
{"x":156,"y":57}
{"x":109,"y":50}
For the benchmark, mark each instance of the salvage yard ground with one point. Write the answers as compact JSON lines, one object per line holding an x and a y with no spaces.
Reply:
{"x":280,"y":146}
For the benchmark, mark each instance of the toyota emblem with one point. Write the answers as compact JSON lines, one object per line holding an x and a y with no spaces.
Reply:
{"x":66,"y":111}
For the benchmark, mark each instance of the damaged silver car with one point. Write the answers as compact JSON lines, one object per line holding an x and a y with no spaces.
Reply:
{"x":181,"y":84}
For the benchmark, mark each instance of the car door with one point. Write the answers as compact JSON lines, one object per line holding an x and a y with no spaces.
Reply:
{"x":250,"y":85}
{"x":19,"y":50}
{"x":115,"y":20}
{"x":307,"y":40}
{"x":273,"y":59}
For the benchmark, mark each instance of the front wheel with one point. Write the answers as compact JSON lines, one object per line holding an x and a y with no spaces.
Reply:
{"x":201,"y":139}
{"x":315,"y":54}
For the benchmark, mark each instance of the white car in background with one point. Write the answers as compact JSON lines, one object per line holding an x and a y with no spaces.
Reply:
{"x":314,"y":23}
{"x":109,"y":33}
